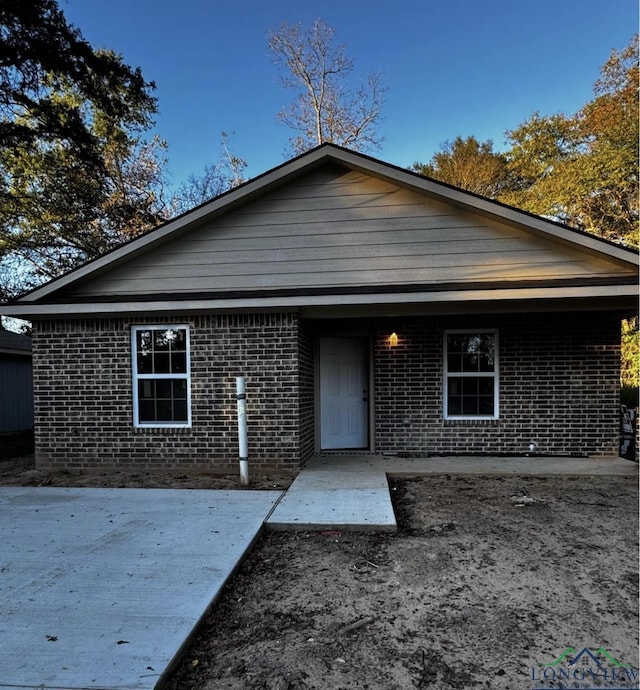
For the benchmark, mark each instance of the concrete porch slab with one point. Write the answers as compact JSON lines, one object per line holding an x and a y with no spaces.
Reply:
{"x":535,"y":465}
{"x":321,"y":499}
{"x":100,"y":588}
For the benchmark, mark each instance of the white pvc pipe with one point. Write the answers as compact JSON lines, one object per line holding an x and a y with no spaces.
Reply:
{"x":243,"y":443}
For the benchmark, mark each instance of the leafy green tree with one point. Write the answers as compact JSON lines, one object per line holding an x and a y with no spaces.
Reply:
{"x":76,"y":176}
{"x":583,"y":169}
{"x":468,"y":164}
{"x":630,"y":359}
{"x":41,"y":54}
{"x":327,"y":107}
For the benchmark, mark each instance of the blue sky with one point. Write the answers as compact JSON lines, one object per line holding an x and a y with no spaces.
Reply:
{"x":452,"y":67}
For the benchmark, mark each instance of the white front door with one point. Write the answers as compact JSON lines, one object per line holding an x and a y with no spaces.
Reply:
{"x":344,"y":393}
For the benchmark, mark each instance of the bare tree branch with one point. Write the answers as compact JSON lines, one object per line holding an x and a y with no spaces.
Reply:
{"x":327,"y":108}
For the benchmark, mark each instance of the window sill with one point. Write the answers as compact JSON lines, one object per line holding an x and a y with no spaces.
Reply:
{"x":471,"y":421}
{"x":160,"y":428}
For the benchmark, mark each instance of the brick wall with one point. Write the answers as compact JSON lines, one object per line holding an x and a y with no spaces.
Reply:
{"x":559,"y":386}
{"x":83,"y":398}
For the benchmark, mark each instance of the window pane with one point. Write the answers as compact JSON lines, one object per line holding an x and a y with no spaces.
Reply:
{"x":488,"y":352}
{"x":485,"y":386}
{"x":485,"y":406}
{"x":470,"y":353}
{"x":146,"y":389}
{"x":160,"y":340}
{"x":143,"y":340}
{"x":470,"y":387}
{"x":163,"y":388}
{"x":162,"y":400}
{"x":470,"y":406}
{"x":145,"y":363}
{"x":469,"y":361}
{"x":179,"y":342}
{"x":180,"y":411}
{"x":456,"y":343}
{"x":161,"y":363}
{"x":455,"y":406}
{"x":147,"y":411}
{"x":454,"y":397}
{"x":454,"y":362}
{"x":164,"y":411}
{"x":178,"y":362}
{"x":180,"y":389}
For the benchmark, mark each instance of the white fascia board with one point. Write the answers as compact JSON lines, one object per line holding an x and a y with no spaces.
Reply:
{"x":295,"y":302}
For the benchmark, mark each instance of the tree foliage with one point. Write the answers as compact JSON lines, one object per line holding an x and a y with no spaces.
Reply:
{"x":41,"y":54}
{"x":76,"y":176}
{"x":327,"y":108}
{"x":468,"y":164}
{"x":583,"y":169}
{"x":580,"y":169}
{"x":216,"y":178}
{"x":630,"y":360}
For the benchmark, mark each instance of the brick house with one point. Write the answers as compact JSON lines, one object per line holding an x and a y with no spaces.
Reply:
{"x":369,"y":308}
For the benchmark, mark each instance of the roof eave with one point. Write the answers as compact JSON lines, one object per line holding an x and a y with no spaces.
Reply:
{"x":616,"y":297}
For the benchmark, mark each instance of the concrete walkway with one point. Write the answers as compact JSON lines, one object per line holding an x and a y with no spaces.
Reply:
{"x":100,"y":588}
{"x":335,"y":498}
{"x":350,"y":492}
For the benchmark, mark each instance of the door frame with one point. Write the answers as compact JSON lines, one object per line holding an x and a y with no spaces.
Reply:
{"x":365,"y":336}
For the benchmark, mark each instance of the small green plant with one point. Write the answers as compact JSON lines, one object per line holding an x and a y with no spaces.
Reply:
{"x":630,"y":363}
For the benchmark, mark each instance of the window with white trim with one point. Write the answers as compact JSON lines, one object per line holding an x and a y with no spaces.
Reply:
{"x":161,"y":376}
{"x":471,"y":386}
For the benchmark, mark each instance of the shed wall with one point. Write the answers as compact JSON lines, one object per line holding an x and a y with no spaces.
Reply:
{"x":16,"y":393}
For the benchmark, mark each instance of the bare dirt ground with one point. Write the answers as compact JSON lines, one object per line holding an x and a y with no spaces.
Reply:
{"x":22,"y":472}
{"x":486,"y":578}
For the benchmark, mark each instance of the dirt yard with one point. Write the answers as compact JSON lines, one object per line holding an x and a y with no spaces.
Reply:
{"x":22,"y":472}
{"x":487,"y":578}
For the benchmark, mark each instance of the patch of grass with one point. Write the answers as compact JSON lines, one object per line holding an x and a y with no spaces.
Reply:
{"x":17,"y":445}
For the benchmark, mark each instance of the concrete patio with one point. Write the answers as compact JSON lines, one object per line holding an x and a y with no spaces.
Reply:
{"x":100,"y":588}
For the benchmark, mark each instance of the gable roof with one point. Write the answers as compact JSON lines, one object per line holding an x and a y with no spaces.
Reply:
{"x":457,"y":246}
